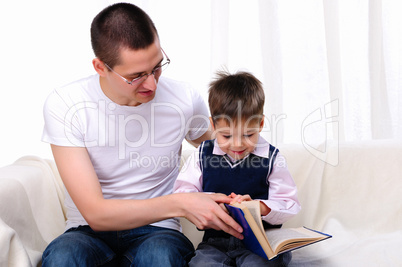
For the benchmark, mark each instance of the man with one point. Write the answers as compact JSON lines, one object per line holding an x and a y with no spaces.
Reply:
{"x":116,"y":138}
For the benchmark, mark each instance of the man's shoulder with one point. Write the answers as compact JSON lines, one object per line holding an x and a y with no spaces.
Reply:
{"x":76,"y":91}
{"x":79,"y":86}
{"x":169,"y":82}
{"x":176,"y":89}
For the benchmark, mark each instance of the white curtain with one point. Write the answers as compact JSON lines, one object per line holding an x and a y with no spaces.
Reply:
{"x":331,"y":69}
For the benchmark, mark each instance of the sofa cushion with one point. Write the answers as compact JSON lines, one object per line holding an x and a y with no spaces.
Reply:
{"x":357,"y":200}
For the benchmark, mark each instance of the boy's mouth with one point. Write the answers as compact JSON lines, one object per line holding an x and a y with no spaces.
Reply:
{"x":238,"y":152}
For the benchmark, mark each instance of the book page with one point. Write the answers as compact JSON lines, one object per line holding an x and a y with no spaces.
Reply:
{"x":254,"y":208}
{"x":280,"y":237}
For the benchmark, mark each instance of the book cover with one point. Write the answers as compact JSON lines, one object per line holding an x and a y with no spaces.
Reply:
{"x":271,"y":242}
{"x":250,"y":240}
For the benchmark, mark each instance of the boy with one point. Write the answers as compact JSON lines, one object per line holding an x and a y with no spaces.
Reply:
{"x":241,"y":164}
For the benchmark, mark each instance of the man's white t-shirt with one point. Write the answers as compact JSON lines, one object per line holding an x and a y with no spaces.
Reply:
{"x":135,"y":150}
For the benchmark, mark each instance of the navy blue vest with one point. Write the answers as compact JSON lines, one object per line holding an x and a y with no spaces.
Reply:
{"x":246,"y":176}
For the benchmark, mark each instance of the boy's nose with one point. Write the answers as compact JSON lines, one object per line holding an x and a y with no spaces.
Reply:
{"x":237,"y":142}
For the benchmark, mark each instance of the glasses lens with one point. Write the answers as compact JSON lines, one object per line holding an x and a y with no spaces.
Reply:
{"x":161,"y":68}
{"x":139,"y":79}
{"x":156,"y":72}
{"x":165,"y":65}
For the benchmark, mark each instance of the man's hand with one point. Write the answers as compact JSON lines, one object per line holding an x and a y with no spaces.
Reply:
{"x":203,"y":210}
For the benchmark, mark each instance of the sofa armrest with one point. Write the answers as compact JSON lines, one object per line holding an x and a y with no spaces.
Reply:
{"x":191,"y":231}
{"x":31,"y":210}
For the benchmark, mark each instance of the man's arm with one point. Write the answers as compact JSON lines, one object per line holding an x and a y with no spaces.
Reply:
{"x":81,"y":181}
{"x":206,"y":136}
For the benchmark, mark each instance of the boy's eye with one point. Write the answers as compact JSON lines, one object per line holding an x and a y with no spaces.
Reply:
{"x":248,"y":135}
{"x":227,"y":136}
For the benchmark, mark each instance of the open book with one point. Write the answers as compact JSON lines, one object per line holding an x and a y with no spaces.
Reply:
{"x":271,"y":242}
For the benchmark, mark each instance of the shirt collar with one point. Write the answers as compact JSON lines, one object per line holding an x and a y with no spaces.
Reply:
{"x":261,"y":149}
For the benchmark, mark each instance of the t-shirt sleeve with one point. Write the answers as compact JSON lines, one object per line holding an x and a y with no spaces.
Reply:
{"x":199,"y":122}
{"x":62,"y":125}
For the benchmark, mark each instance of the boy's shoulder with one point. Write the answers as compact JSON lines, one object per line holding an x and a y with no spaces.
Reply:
{"x":208,"y":143}
{"x":206,"y":146}
{"x":264,"y":148}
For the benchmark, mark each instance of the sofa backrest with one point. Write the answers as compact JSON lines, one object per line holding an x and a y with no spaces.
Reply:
{"x":359,"y":189}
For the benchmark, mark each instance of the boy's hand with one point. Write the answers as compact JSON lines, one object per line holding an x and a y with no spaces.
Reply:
{"x":239,"y":198}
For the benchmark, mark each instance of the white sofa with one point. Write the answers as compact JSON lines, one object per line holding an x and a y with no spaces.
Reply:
{"x":352,"y":191}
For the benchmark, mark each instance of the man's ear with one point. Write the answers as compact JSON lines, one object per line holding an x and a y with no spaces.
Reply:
{"x":99,"y":67}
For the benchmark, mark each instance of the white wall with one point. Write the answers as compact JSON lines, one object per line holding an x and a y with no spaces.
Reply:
{"x":46,"y":44}
{"x":312,"y":56}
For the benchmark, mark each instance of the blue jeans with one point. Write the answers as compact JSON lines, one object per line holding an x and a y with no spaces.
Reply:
{"x":143,"y":246}
{"x":231,"y":252}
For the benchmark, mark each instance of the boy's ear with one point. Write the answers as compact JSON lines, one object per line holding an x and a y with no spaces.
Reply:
{"x":212,"y":124}
{"x":212,"y":127}
{"x":262,"y":122}
{"x":99,"y":67}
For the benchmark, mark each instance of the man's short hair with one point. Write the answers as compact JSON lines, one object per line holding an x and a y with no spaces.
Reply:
{"x":236,"y":97}
{"x":119,"y":26}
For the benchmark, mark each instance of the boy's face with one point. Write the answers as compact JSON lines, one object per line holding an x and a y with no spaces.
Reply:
{"x":237,"y":139}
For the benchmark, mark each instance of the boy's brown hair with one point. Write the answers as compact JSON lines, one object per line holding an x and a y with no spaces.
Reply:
{"x":236,"y":97}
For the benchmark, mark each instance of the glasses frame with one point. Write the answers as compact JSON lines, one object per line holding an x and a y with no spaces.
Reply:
{"x":139,"y":80}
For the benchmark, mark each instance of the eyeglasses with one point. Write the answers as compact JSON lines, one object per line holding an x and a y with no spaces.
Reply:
{"x":155,"y":72}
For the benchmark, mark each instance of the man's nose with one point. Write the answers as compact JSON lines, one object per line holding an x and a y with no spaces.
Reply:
{"x":150,"y":82}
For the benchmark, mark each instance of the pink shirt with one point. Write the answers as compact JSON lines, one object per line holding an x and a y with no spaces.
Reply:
{"x":282,"y":190}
